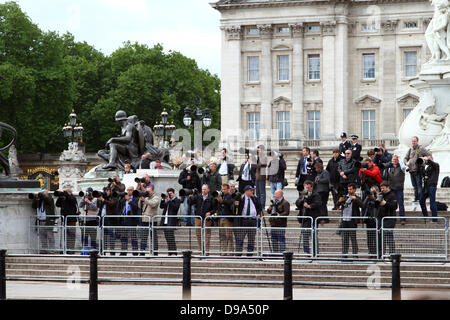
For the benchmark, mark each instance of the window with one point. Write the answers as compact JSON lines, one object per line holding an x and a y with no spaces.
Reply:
{"x":406,"y":113}
{"x":368,"y":124}
{"x":283,"y":68}
{"x":284,"y":126}
{"x":369,"y":27}
{"x":369,"y":66}
{"x":253,"y":125}
{"x":314,"y":125}
{"x":253,"y":69}
{"x":284,"y":30}
{"x":314,"y":67}
{"x":253,"y":31}
{"x":411,"y":64}
{"x":315,"y":28}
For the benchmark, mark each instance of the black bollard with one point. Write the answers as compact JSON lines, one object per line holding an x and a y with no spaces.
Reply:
{"x":93,"y":279}
{"x":3,"y":274}
{"x":288,"y":275}
{"x":187,"y":255}
{"x":396,"y":286}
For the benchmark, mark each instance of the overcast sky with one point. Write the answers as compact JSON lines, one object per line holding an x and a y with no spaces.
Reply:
{"x":188,"y":26}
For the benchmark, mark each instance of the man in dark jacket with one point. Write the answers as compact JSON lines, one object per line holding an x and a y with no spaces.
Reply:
{"x":170,"y":205}
{"x":370,"y":206}
{"x":213,"y":178}
{"x":332,"y":168}
{"x":261,"y":175}
{"x":279,"y":209}
{"x":276,"y":172}
{"x":129,"y":206}
{"x":395,"y":175}
{"x":108,"y":208}
{"x":225,"y":167}
{"x":246,"y":222}
{"x":347,"y":170}
{"x":430,"y":174}
{"x":356,"y":149}
{"x":311,"y":205}
{"x":386,"y":208}
{"x":305,"y":170}
{"x":205,"y":206}
{"x":351,"y":206}
{"x":69,"y":209}
{"x":44,"y":205}
{"x":322,"y":186}
{"x":247,"y":174}
{"x":226,"y":209}
{"x":344,"y":145}
{"x":190,"y":180}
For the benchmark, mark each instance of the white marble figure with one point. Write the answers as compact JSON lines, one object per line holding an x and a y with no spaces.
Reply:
{"x":14,"y":162}
{"x":73,"y":154}
{"x":438,"y":31}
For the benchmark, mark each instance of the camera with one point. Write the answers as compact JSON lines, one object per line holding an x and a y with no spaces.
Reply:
{"x":188,"y":192}
{"x":361,"y":165}
{"x":116,"y":194}
{"x":138,"y":194}
{"x":163,"y":196}
{"x":32,"y":196}
{"x":276,"y":154}
{"x":139,"y":180}
{"x":60,"y":194}
{"x":111,"y":180}
{"x":274,"y":208}
{"x":216,"y":194}
{"x":98,"y":194}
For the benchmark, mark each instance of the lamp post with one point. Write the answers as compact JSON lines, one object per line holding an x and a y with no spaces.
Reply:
{"x":73,"y":130}
{"x":199,"y":117}
{"x":164,"y":129}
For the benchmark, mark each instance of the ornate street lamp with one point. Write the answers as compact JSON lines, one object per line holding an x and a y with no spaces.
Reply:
{"x":164,"y":129}
{"x":197,"y":115}
{"x":72,"y":129}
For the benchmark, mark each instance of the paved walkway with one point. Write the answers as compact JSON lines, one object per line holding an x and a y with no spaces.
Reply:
{"x":60,"y":291}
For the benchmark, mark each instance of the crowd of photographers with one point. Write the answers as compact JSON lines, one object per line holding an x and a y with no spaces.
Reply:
{"x":211,"y":195}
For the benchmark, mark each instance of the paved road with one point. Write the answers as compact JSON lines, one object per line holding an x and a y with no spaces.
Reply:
{"x":61,"y":291}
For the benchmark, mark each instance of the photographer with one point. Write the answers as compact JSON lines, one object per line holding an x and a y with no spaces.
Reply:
{"x":309,"y":205}
{"x":170,"y":205}
{"x":279,"y":208}
{"x":205,"y":206}
{"x":90,"y":220}
{"x":370,"y":205}
{"x":276,"y":171}
{"x":212,"y":178}
{"x":395,"y":175}
{"x":430,"y":173}
{"x":148,"y":204}
{"x":129,"y":206}
{"x":189,"y":180}
{"x":322,"y":186}
{"x":115,"y":185}
{"x":386,"y":208}
{"x":143,"y":183}
{"x":382,"y":156}
{"x":332,"y":168}
{"x":226,"y":167}
{"x":247,"y":173}
{"x":415,"y":152}
{"x":250,"y":210}
{"x":226,"y":208}
{"x":261,"y":175}
{"x":305,"y":169}
{"x":45,"y":207}
{"x":350,"y":206}
{"x":69,"y":207}
{"x":108,"y":206}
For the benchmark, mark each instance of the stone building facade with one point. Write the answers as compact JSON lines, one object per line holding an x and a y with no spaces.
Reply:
{"x":304,"y":71}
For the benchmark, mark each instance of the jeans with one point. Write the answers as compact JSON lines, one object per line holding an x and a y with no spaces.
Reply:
{"x":261,"y":192}
{"x":188,"y":212}
{"x":278,"y":240}
{"x":416,"y":181}
{"x":429,"y":192}
{"x":400,"y":200}
{"x":274,"y":186}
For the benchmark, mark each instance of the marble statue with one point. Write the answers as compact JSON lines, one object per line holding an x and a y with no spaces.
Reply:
{"x":437,"y":34}
{"x":14,"y":162}
{"x":3,"y":161}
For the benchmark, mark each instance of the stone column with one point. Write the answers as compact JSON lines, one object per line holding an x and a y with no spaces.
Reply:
{"x":298,"y":126}
{"x":231,"y":82}
{"x":329,"y":133}
{"x":341,"y":78}
{"x":266,"y":32}
{"x":386,"y":127}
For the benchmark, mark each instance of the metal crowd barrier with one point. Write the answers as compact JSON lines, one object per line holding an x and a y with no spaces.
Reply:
{"x":132,"y":233}
{"x":426,"y":240}
{"x":82,"y":234}
{"x":47,"y":236}
{"x":276,"y":240}
{"x":171,"y":237}
{"x":231,"y":235}
{"x":345,"y":237}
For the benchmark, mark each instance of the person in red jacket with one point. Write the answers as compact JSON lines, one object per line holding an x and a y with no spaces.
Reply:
{"x":372,"y":171}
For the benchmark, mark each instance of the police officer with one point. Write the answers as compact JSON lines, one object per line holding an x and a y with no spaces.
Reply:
{"x":356,"y":148}
{"x":344,"y":145}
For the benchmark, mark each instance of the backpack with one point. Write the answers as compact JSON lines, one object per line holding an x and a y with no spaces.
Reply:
{"x":445,"y":182}
{"x":441,"y":206}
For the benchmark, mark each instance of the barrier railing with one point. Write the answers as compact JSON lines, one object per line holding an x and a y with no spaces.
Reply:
{"x":427,"y":239}
{"x":47,"y":236}
{"x":334,"y":239}
{"x":231,"y":235}
{"x":132,"y":233}
{"x":276,"y":239}
{"x":170,"y":237}
{"x":82,"y":234}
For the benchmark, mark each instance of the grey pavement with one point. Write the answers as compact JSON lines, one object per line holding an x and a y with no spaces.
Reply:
{"x":62,"y":291}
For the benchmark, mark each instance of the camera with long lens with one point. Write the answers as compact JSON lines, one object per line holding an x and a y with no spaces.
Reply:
{"x":111,"y":180}
{"x":116,"y":194}
{"x":361,"y":165}
{"x":188,"y":192}
{"x":33,"y":196}
{"x":164,"y":196}
{"x":274,"y":208}
{"x":217,"y":194}
{"x":60,"y":194}
{"x":138,"y":194}
{"x":277,"y":154}
{"x":139,"y":180}
{"x":98,"y":194}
